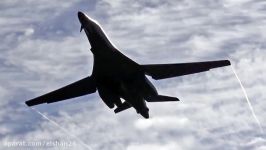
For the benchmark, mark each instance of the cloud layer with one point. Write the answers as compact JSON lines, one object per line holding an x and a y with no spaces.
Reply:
{"x":42,"y":50}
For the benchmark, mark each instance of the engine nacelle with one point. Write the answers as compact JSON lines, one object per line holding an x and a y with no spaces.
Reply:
{"x":110,"y":98}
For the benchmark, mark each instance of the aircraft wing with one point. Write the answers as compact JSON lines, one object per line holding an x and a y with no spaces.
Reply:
{"x":162,"y":71}
{"x":79,"y":88}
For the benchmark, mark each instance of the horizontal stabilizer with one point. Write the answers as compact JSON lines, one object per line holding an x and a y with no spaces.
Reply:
{"x":122,"y":107}
{"x":162,"y":71}
{"x":161,"y":98}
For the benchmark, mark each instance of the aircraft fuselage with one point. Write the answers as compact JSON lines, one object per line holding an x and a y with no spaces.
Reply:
{"x":116,"y":75}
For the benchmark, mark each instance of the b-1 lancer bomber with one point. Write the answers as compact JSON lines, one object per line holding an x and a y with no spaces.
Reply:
{"x":120,"y":81}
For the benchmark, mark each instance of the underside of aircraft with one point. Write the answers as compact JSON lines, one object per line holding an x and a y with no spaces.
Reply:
{"x":121,"y":82}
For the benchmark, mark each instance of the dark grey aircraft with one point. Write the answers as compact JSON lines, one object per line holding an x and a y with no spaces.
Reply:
{"x":116,"y":76}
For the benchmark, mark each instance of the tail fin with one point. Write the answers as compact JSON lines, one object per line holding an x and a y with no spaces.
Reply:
{"x":161,"y":98}
{"x":122,"y":107}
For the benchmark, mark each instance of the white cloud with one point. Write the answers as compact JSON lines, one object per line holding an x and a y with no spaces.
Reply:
{"x":42,"y":50}
{"x":170,"y":146}
{"x":169,"y":122}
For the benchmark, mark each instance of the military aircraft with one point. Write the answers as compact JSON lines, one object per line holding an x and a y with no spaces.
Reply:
{"x":120,"y":81}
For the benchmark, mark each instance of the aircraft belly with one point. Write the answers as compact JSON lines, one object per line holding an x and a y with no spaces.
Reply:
{"x":125,"y":78}
{"x":114,"y":64}
{"x":109,"y":94}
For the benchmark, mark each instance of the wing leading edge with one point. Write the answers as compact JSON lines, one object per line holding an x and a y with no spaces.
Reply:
{"x":79,"y":88}
{"x":162,"y":71}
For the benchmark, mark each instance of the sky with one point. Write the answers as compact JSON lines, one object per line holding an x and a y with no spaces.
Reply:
{"x":42,"y":50}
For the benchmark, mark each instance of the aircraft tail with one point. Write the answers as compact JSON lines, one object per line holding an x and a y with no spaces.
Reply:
{"x":123,"y":107}
{"x":161,"y":98}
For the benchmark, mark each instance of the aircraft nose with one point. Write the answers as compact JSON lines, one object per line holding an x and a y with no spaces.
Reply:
{"x":80,"y":15}
{"x":83,"y":18}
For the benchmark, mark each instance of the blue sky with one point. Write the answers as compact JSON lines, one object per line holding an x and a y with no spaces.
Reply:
{"x":42,"y":50}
